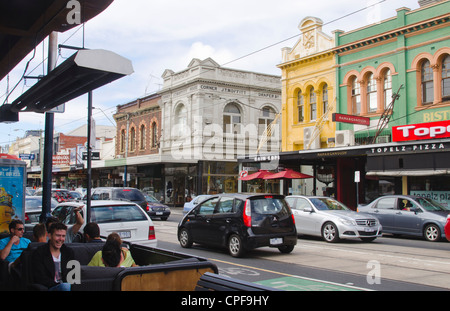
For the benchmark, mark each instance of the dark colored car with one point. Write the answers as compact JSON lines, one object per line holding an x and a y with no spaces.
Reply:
{"x":122,"y":193}
{"x":240,"y":222}
{"x":156,"y":209}
{"x":409,"y":215}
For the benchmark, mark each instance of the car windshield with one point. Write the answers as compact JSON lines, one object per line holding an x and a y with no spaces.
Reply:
{"x":150,"y":198}
{"x":431,"y":205}
{"x":33,"y":203}
{"x":325,"y":204}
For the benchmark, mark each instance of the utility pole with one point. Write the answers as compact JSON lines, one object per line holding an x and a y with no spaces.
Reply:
{"x":48,"y":142}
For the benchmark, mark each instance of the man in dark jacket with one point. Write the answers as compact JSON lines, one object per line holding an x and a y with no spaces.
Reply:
{"x":50,"y":260}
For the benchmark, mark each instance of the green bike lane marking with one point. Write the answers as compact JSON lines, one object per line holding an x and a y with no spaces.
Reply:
{"x":289,"y":282}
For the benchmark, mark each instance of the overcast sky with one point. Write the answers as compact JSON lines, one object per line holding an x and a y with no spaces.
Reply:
{"x":166,"y":34}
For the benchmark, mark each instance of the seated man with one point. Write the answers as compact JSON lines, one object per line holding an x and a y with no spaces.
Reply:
{"x":12,"y":246}
{"x":50,"y":260}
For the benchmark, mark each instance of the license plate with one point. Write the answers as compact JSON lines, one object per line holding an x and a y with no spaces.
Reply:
{"x":276,"y":241}
{"x":368,"y":230}
{"x":159,"y":213}
{"x":124,"y":234}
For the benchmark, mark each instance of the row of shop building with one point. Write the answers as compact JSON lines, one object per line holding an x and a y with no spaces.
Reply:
{"x":365,"y":112}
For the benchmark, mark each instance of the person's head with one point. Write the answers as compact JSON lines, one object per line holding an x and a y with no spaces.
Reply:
{"x":40,"y":233}
{"x":50,"y":220}
{"x":114,"y":237}
{"x":111,"y":253}
{"x":91,"y":231}
{"x":57,"y":235}
{"x":16,"y":227}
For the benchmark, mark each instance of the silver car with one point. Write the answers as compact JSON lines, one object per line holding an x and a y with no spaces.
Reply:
{"x":409,"y":215}
{"x":332,"y":220}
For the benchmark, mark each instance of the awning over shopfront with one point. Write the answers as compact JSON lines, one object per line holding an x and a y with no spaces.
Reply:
{"x":261,"y":174}
{"x":288,"y":174}
{"x":400,"y":173}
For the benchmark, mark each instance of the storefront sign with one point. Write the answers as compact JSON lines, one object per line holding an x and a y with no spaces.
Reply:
{"x":61,"y":160}
{"x":442,"y":197}
{"x":431,"y":130}
{"x":345,"y":118}
{"x":407,"y":148}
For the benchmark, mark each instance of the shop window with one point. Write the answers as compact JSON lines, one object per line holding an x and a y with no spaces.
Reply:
{"x":266,"y":118}
{"x":122,"y":141}
{"x":180,"y":120}
{"x":154,"y":135}
{"x":300,"y":107}
{"x":427,"y":83}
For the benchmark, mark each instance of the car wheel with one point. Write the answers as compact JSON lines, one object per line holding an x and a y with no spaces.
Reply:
{"x":432,"y":233}
{"x":330,"y":232}
{"x":235,"y":246}
{"x":286,"y":249}
{"x":185,"y":238}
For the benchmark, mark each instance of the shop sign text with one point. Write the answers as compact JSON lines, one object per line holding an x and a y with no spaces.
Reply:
{"x":431,"y":130}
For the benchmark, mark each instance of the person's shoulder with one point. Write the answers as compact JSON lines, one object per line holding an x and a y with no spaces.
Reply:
{"x":25,"y":241}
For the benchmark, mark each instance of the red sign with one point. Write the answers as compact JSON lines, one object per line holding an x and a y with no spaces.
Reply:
{"x":432,"y":130}
{"x":345,"y":118}
{"x":61,"y":160}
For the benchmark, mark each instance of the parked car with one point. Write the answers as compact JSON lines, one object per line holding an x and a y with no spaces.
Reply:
{"x":126,"y":218}
{"x":60,"y":195}
{"x":447,"y":228}
{"x":33,"y":208}
{"x":332,"y":220}
{"x":76,"y":195}
{"x":196,"y":200}
{"x":240,"y":222}
{"x":156,"y":208}
{"x":409,"y":215}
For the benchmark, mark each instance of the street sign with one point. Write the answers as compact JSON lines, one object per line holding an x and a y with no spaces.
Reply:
{"x":27,"y":156}
{"x":94,"y":156}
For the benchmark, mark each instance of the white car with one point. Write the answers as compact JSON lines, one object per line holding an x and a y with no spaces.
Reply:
{"x":125,"y":218}
{"x":196,"y":200}
{"x":332,"y":220}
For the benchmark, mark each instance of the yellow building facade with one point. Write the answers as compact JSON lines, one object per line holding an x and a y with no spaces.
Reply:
{"x":308,"y":89}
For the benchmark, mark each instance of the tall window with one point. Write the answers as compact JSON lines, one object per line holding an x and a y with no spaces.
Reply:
{"x":371,"y":94}
{"x":231,"y":118}
{"x":313,"y":104}
{"x":132,"y":139}
{"x":387,"y":88}
{"x":267,"y":117}
{"x":300,"y":107}
{"x":427,"y":83}
{"x":325,"y":98}
{"x":446,"y":78}
{"x":122,"y":141}
{"x":154,"y":135}
{"x":180,"y":120}
{"x":356,"y":97}
{"x":142,"y":137}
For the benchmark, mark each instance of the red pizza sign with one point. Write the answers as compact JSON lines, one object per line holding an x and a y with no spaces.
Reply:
{"x":421,"y":131}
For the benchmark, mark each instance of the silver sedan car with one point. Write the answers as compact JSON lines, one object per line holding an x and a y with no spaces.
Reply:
{"x":332,"y":220}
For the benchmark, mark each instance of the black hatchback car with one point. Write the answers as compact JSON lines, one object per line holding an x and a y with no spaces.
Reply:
{"x":240,"y":222}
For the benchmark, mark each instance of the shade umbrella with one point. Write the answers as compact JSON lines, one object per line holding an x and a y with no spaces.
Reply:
{"x":261,"y":174}
{"x":289,"y":174}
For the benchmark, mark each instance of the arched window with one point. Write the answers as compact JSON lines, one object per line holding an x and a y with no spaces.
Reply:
{"x":312,"y":104}
{"x":180,"y":120}
{"x":427,"y":83}
{"x":267,"y":116}
{"x":387,"y":88}
{"x":325,"y":98}
{"x":142,"y":137}
{"x":154,"y":135}
{"x":371,"y":93}
{"x":300,"y":107}
{"x":122,"y":141}
{"x":446,"y":78}
{"x":231,"y":118}
{"x":356,"y":97}
{"x":132,"y":139}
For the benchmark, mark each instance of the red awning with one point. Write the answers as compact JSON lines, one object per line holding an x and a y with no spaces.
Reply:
{"x":290,"y":174}
{"x":260,"y":174}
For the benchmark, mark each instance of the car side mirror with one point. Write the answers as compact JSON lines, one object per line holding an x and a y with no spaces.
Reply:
{"x":308,"y":210}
